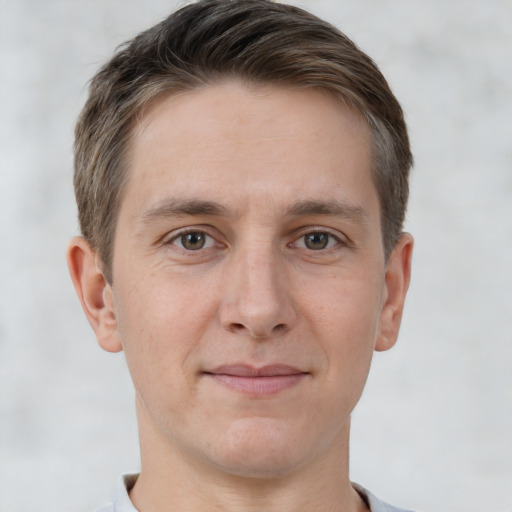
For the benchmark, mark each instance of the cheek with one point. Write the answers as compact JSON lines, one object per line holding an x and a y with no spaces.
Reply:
{"x":345,"y":317}
{"x":164,"y":307}
{"x":161,"y":327}
{"x":346,"y":304}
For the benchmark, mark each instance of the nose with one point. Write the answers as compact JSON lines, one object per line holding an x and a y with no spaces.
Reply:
{"x":257,"y":300}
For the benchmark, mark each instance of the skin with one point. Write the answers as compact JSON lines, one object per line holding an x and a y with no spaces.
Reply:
{"x":263,"y":177}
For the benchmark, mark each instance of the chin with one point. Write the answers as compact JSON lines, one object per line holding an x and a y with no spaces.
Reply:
{"x":261,"y":448}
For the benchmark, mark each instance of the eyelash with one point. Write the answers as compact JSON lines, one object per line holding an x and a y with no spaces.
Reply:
{"x":210,"y":241}
{"x":180,"y":235}
{"x":338,"y":241}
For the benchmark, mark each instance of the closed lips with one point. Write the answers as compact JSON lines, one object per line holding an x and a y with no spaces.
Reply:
{"x":266,"y":380}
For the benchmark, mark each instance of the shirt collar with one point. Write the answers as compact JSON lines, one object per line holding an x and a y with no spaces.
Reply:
{"x":122,"y":502}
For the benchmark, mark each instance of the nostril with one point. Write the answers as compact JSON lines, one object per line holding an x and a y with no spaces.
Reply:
{"x":240,"y":327}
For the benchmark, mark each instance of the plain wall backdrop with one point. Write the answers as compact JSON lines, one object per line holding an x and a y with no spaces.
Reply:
{"x":433,"y":431}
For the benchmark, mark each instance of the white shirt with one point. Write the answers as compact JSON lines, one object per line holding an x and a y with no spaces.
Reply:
{"x":122,"y":502}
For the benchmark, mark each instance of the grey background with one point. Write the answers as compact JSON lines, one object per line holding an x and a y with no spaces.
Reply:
{"x":433,"y":430}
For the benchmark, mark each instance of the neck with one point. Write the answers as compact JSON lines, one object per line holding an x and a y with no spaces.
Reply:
{"x":173,"y":479}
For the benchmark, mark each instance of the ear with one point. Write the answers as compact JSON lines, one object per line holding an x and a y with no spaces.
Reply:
{"x":398,"y":276}
{"x":94,"y":292}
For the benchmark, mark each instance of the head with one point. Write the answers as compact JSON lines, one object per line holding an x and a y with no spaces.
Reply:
{"x":241,"y":176}
{"x":258,"y":42}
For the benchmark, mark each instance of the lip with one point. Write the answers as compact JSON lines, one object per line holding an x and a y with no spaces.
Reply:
{"x":257,"y":381}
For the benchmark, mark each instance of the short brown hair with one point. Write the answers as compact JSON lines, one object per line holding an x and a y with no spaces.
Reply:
{"x":257,"y":41}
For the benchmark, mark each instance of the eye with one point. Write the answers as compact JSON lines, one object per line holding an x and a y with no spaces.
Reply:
{"x":193,"y":240}
{"x":317,"y":241}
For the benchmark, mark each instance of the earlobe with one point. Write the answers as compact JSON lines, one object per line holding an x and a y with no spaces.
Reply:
{"x":398,"y":276}
{"x":94,"y":292}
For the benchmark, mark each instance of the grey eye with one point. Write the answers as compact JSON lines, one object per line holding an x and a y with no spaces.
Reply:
{"x":193,"y":241}
{"x":316,"y":241}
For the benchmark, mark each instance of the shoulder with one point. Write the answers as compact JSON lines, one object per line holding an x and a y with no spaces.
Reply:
{"x":374,"y":504}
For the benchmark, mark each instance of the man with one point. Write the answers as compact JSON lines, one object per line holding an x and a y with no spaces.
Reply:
{"x":241,"y":178}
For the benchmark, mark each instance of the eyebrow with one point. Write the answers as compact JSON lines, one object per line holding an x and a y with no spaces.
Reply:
{"x":183,"y":207}
{"x":174,"y":207}
{"x":331,"y":208}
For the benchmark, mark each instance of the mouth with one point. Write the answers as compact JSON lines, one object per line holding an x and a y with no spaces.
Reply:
{"x":257,"y":381}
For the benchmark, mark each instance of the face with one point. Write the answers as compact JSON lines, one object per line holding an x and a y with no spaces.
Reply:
{"x":249,"y":281}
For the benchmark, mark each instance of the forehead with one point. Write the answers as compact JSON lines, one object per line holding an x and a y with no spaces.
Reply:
{"x":231,"y":141}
